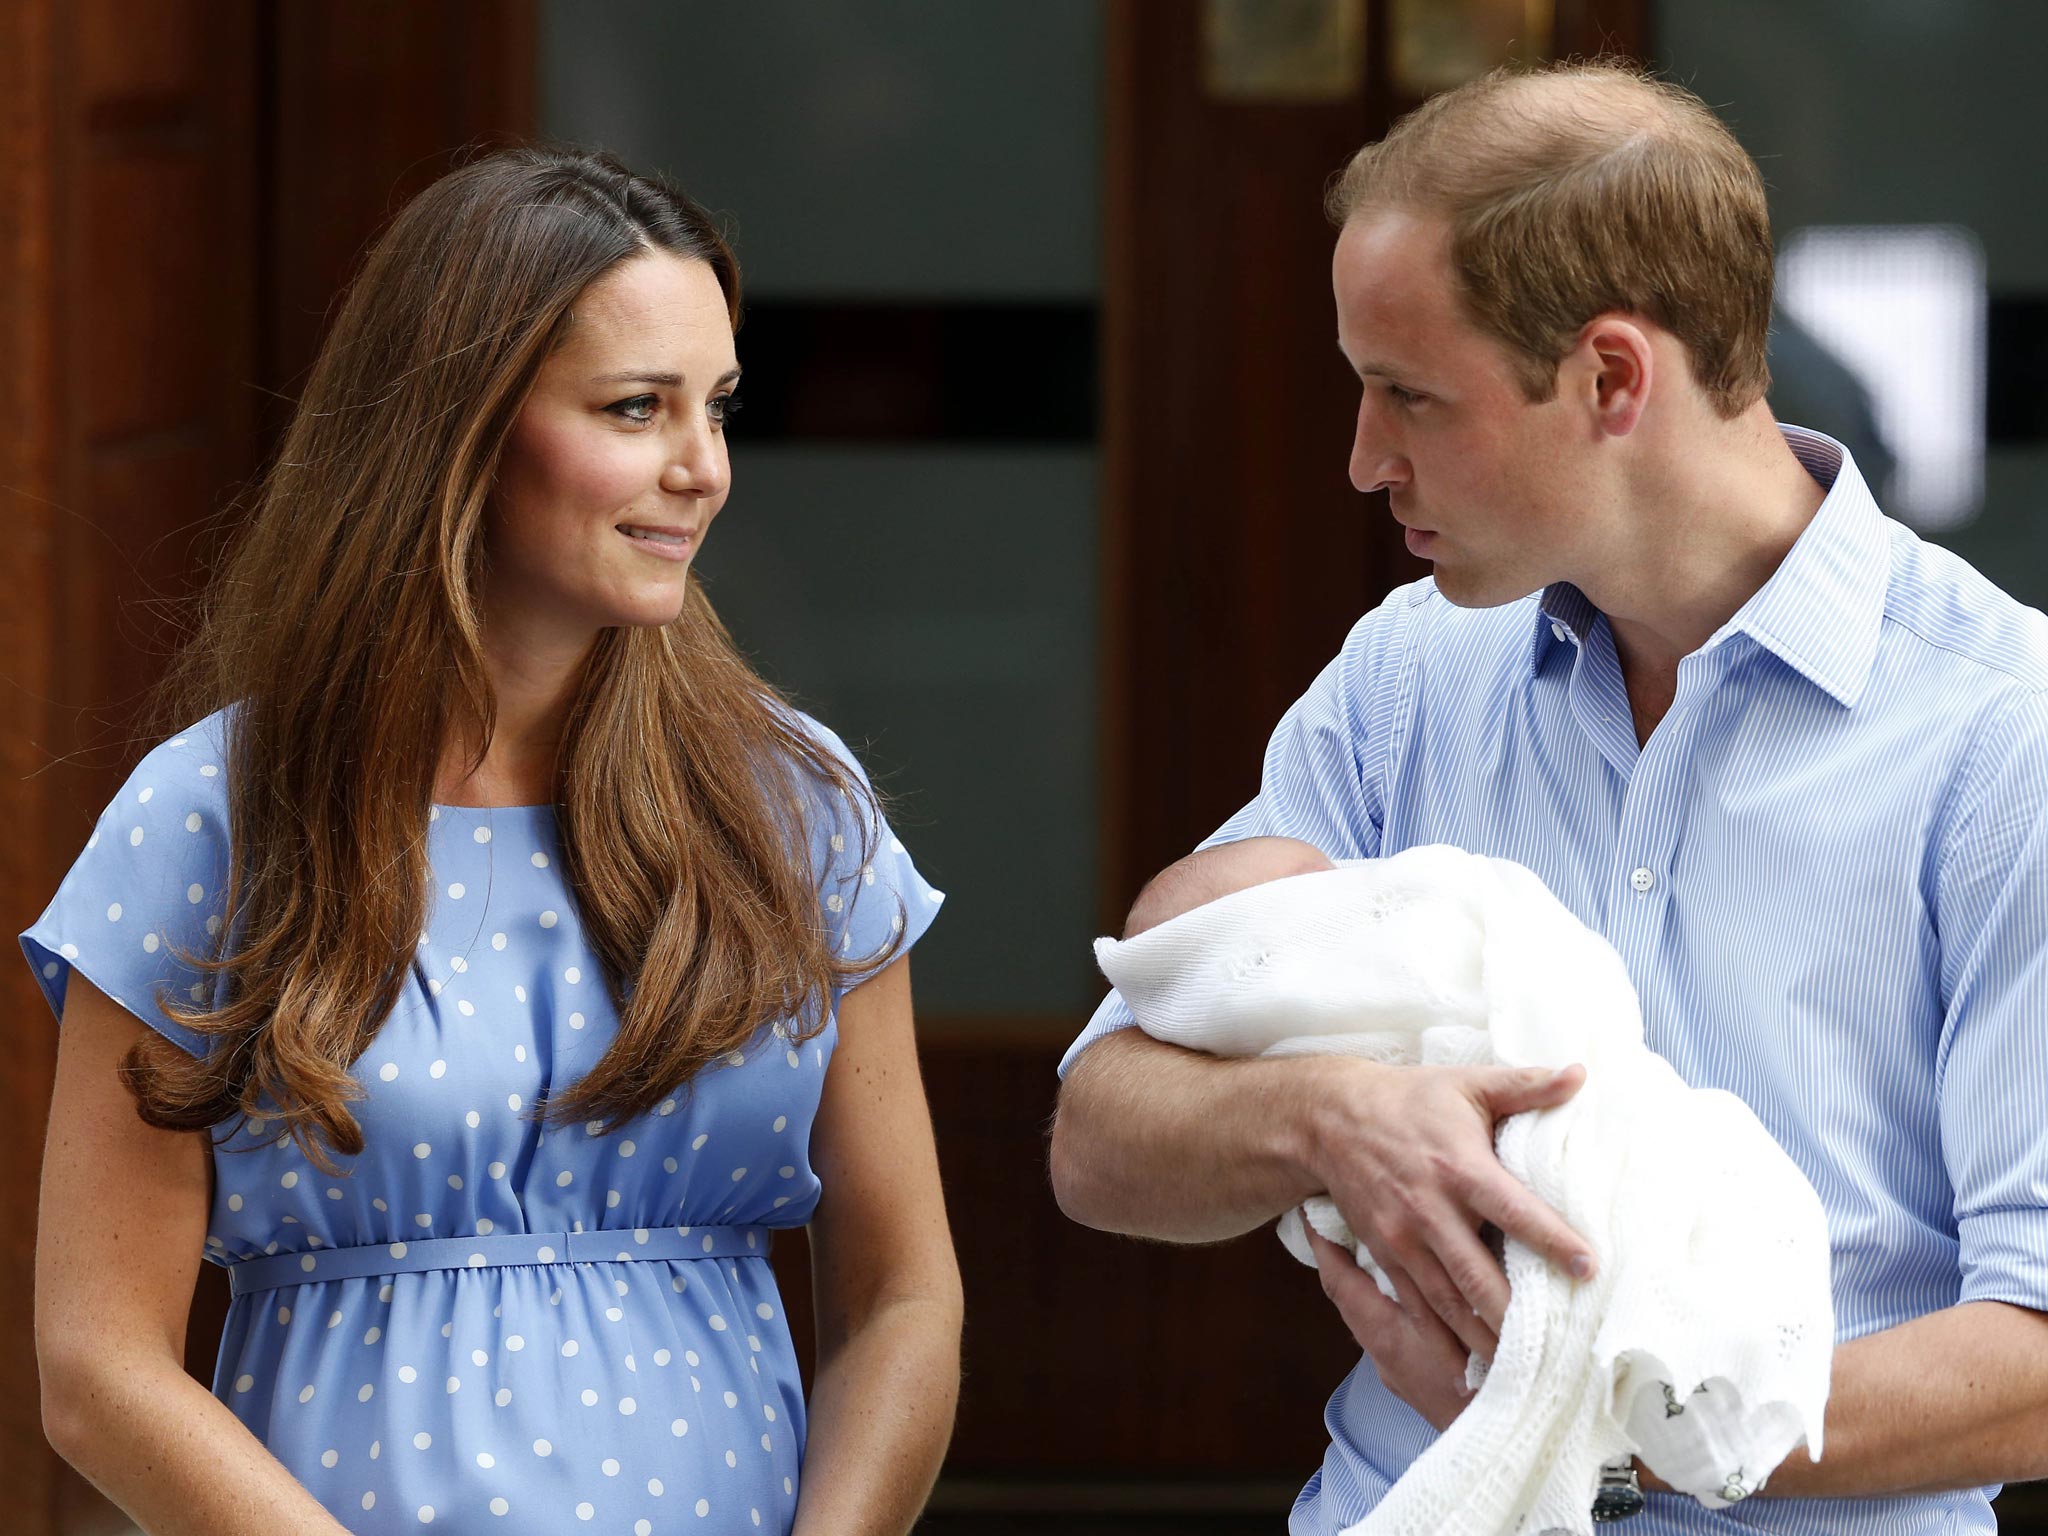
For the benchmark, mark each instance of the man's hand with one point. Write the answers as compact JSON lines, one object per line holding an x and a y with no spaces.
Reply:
{"x":1419,"y":1360}
{"x":1407,"y":1155}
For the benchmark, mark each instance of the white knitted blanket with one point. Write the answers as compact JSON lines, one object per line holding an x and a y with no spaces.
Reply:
{"x":1702,"y":1345}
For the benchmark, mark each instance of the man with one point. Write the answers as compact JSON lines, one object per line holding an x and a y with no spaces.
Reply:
{"x":1790,"y":761}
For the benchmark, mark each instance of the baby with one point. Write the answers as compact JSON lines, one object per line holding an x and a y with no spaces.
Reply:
{"x":1713,"y":1248}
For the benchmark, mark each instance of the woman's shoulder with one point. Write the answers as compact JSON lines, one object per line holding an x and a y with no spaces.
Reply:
{"x":174,"y":805}
{"x":837,"y":798}
{"x":148,"y":888}
{"x":820,"y":735}
{"x":182,"y":780}
{"x":196,"y":755}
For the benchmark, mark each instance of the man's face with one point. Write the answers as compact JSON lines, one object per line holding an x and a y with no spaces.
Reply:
{"x":1483,"y":480}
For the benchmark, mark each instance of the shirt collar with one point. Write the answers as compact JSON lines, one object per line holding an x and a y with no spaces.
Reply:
{"x":1822,"y":610}
{"x":1564,"y":615}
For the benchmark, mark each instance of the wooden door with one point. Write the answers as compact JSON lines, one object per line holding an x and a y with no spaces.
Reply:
{"x":184,"y":184}
{"x":1236,"y":557}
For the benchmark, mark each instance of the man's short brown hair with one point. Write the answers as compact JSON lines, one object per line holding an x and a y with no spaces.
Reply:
{"x":1578,"y":189}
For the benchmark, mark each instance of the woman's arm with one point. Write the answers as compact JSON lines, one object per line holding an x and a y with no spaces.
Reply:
{"x":887,"y":1284}
{"x":123,"y":1220}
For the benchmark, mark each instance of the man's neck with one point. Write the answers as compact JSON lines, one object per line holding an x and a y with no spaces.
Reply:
{"x":1701,"y":541}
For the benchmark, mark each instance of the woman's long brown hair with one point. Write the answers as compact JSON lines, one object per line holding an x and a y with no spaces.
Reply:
{"x":342,"y":637}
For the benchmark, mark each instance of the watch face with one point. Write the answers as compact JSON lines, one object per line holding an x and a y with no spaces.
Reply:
{"x":1618,"y":1496}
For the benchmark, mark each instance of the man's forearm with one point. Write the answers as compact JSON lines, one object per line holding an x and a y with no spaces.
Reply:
{"x":1955,"y":1399}
{"x":1155,"y":1141}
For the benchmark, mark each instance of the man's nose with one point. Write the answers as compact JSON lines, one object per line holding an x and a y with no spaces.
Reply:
{"x":1376,"y":462}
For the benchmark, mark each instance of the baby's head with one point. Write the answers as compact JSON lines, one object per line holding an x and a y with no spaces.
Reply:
{"x":1214,"y":872}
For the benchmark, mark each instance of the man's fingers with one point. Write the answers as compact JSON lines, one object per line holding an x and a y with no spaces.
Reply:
{"x":1518,"y":1213}
{"x":1511,"y":1090}
{"x":1425,"y":1291}
{"x":1417,"y":1357}
{"x":1474,"y":1284}
{"x":1367,"y":1313}
{"x":1432,"y":1260}
{"x":1459,"y":1312}
{"x":1504,"y":1201}
{"x":1407,"y":1295}
{"x":1346,"y":1283}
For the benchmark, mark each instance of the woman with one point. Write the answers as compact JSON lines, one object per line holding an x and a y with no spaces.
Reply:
{"x":497,"y":960}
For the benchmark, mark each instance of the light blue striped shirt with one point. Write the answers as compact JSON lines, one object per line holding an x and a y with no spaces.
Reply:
{"x":1827,"y":872}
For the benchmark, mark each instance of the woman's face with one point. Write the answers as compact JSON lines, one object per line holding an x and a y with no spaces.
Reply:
{"x":616,"y":464}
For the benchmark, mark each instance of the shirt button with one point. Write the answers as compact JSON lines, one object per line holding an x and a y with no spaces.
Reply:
{"x":1556,"y":630}
{"x":1640,"y":881}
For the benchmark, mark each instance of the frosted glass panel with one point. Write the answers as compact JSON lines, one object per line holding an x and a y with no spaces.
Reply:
{"x":937,"y":609}
{"x":935,"y":602}
{"x":884,"y":148}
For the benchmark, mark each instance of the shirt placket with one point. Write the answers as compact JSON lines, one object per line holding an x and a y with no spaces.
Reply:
{"x":1639,"y":878}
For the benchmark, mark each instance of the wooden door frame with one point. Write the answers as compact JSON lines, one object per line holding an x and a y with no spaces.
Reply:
{"x":197,"y":175}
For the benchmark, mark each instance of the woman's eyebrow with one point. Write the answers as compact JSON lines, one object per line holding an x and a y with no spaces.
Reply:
{"x":660,"y":380}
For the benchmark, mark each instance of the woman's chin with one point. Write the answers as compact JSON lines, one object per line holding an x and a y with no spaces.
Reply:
{"x":653,"y":609}
{"x":646,"y":619}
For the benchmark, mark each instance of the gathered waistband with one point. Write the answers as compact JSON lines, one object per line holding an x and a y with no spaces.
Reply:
{"x":497,"y":1251}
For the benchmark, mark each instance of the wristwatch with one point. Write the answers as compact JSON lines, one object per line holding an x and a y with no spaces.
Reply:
{"x":1620,"y":1494}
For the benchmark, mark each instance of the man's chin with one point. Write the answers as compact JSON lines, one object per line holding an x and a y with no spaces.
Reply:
{"x":1467,"y":592}
{"x":1465,"y":588}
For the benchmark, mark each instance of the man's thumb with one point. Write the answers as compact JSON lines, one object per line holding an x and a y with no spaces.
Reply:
{"x":1521,"y":1088}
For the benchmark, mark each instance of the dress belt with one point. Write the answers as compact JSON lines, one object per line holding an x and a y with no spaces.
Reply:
{"x":497,"y":1251}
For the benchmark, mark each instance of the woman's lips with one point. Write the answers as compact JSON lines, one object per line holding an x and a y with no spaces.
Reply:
{"x":662,"y":543}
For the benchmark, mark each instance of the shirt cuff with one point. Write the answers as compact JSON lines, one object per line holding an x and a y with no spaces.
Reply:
{"x":2005,"y":1256}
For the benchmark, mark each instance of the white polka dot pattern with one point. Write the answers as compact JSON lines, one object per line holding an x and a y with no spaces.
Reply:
{"x":521,"y":1397}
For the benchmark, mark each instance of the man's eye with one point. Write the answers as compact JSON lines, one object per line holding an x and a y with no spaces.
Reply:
{"x":639,"y":408}
{"x":1402,"y":396}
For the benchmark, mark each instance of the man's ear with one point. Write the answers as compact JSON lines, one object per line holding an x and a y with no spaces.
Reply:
{"x":1614,"y":369}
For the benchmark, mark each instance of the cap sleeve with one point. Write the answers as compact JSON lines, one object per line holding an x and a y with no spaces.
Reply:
{"x":869,"y":888}
{"x":147,"y":892}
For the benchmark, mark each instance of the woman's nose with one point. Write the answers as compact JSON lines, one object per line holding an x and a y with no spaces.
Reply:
{"x":696,"y":466}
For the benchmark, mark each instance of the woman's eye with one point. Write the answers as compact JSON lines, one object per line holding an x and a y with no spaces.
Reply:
{"x":640,"y":408}
{"x":724,"y":407}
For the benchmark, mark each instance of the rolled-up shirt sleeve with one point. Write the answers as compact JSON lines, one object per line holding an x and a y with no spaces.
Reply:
{"x":1992,"y":916}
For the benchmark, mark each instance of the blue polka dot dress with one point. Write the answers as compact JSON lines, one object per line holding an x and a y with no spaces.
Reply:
{"x":477,"y":1325}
